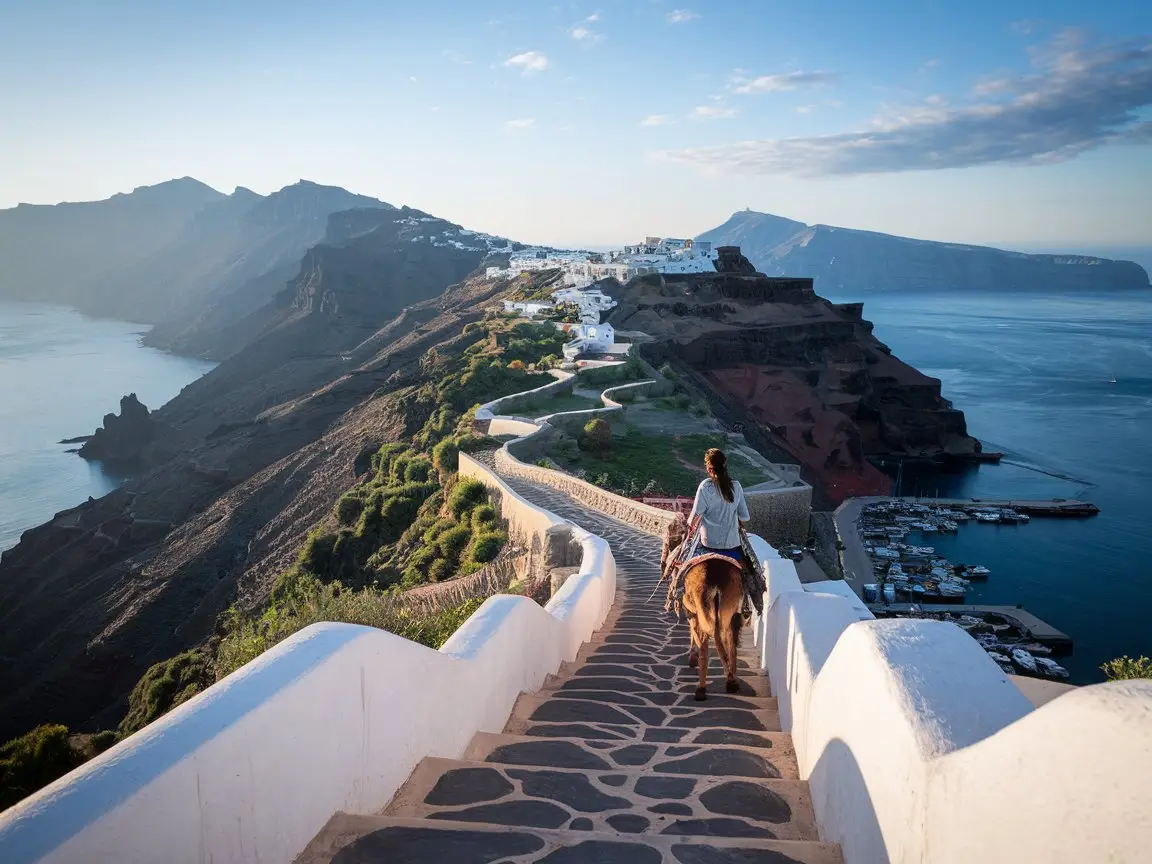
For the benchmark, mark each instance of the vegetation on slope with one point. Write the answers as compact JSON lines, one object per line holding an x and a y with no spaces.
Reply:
{"x":410,"y":520}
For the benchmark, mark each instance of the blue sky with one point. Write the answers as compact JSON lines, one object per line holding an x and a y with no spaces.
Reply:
{"x":1016,"y":123}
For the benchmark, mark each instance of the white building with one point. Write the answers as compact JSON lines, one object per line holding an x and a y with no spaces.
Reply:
{"x":589,"y":339}
{"x":529,"y":308}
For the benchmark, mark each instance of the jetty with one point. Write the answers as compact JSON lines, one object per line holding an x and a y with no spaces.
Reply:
{"x":1031,"y":626}
{"x":1066,"y":507}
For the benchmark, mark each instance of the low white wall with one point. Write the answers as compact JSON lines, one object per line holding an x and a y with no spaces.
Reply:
{"x":916,"y":746}
{"x":334,"y":718}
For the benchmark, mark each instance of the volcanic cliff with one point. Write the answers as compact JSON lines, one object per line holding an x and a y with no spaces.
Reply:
{"x":804,"y":378}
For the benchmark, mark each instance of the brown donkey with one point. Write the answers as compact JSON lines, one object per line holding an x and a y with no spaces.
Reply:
{"x":713,"y":592}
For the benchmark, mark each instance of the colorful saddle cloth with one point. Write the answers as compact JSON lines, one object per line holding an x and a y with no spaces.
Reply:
{"x":691,"y":551}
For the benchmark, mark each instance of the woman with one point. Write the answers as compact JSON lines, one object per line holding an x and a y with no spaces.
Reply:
{"x":721,"y":507}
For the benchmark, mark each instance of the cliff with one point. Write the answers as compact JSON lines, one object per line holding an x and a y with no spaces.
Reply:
{"x":804,"y":378}
{"x":845,"y":261}
{"x":238,"y":468}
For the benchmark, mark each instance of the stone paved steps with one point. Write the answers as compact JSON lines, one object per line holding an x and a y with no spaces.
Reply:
{"x":772,"y":758}
{"x":533,"y":709}
{"x":613,"y":761}
{"x":617,"y":799}
{"x":348,"y":839}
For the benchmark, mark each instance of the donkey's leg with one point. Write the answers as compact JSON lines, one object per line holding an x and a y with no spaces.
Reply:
{"x":702,"y":688}
{"x":731,"y":637}
{"x":694,"y":639}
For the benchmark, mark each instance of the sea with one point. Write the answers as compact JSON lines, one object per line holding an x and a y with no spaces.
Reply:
{"x":1033,"y":375}
{"x":60,"y":373}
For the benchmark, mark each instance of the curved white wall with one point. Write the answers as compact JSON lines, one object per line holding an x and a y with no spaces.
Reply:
{"x":334,"y":718}
{"x":917,"y":748}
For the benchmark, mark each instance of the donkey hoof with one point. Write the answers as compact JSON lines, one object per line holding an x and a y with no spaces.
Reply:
{"x":701,"y":694}
{"x":732,"y":686}
{"x":693,"y":660}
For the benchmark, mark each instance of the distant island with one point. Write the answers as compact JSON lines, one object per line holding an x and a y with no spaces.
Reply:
{"x":846,"y":261}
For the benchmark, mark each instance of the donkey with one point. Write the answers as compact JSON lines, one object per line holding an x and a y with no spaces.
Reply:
{"x":713,"y":593}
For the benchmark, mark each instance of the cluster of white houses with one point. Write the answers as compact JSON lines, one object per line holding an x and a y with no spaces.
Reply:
{"x":581,"y":269}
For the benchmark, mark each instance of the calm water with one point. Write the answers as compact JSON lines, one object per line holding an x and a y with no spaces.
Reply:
{"x":60,"y":373}
{"x":1032,"y":377}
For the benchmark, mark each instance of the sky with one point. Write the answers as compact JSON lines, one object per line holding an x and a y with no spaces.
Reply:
{"x":1024,"y":123}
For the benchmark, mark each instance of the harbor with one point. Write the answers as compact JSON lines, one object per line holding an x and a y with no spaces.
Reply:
{"x":890,"y":561}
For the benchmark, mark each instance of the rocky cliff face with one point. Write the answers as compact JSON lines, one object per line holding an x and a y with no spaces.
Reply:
{"x":237,"y":470}
{"x":843,"y":261}
{"x":804,"y":378}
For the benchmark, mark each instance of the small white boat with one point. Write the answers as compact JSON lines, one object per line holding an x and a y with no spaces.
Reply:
{"x":988,"y":517}
{"x":889,"y":593}
{"x":978,"y":572}
{"x":1024,"y":660}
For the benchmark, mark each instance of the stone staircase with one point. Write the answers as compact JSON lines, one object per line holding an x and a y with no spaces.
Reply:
{"x":612,"y":761}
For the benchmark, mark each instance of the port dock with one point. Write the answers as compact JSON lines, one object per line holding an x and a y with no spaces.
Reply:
{"x":1033,"y":628}
{"x":1056,"y":507}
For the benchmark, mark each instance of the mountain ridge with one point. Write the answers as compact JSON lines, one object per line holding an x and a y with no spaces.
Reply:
{"x":852,"y":260}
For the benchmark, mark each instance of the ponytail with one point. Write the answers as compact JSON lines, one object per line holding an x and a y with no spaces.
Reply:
{"x":717,"y":463}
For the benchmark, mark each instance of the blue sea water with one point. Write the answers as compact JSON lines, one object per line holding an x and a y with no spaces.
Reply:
{"x":60,"y":373}
{"x":1032,"y":375}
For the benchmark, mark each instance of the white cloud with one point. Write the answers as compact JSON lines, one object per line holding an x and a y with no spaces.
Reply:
{"x":1075,"y":99}
{"x":412,"y":78}
{"x":528,"y":62}
{"x":657,"y":120}
{"x":713,"y":112}
{"x":521,"y":125}
{"x":833,"y":103}
{"x":781,"y":83}
{"x":679,"y":16}
{"x":805,"y":109}
{"x":929,"y":65}
{"x":583,"y":32}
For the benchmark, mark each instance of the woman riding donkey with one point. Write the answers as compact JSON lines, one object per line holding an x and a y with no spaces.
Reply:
{"x":713,"y":589}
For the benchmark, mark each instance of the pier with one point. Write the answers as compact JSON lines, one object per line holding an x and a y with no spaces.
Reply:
{"x":1022,"y":619}
{"x":1056,"y":507}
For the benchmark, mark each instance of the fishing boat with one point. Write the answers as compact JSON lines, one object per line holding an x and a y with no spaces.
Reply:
{"x":977,"y":571}
{"x":1024,"y":660}
{"x":988,"y":517}
{"x":889,"y":593}
{"x":951,"y":589}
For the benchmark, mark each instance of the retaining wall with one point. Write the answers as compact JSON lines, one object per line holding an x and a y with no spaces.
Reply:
{"x":781,"y":515}
{"x":916,"y":747}
{"x":333,"y":718}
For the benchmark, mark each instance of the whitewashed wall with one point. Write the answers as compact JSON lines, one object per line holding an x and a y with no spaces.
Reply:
{"x":917,"y":748}
{"x":334,"y":718}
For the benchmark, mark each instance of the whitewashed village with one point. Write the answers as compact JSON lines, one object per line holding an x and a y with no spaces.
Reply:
{"x":581,"y":270}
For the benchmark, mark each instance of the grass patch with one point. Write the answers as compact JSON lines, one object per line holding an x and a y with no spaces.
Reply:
{"x":558,"y":403}
{"x":641,"y":461}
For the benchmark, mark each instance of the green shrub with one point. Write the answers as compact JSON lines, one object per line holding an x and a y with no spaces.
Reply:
{"x":446,"y":457}
{"x":452,"y":542}
{"x":101,"y":741}
{"x":467,"y":494}
{"x":316,"y":554}
{"x":1126,"y":668}
{"x":34,"y":760}
{"x":382,"y":461}
{"x":485,"y":547}
{"x":597,"y":437}
{"x":164,"y":686}
{"x":440,"y":570}
{"x":349,"y":508}
{"x":482,"y":515}
{"x":418,"y":471}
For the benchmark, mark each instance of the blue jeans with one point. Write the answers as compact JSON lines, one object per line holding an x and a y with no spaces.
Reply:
{"x":736,"y":554}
